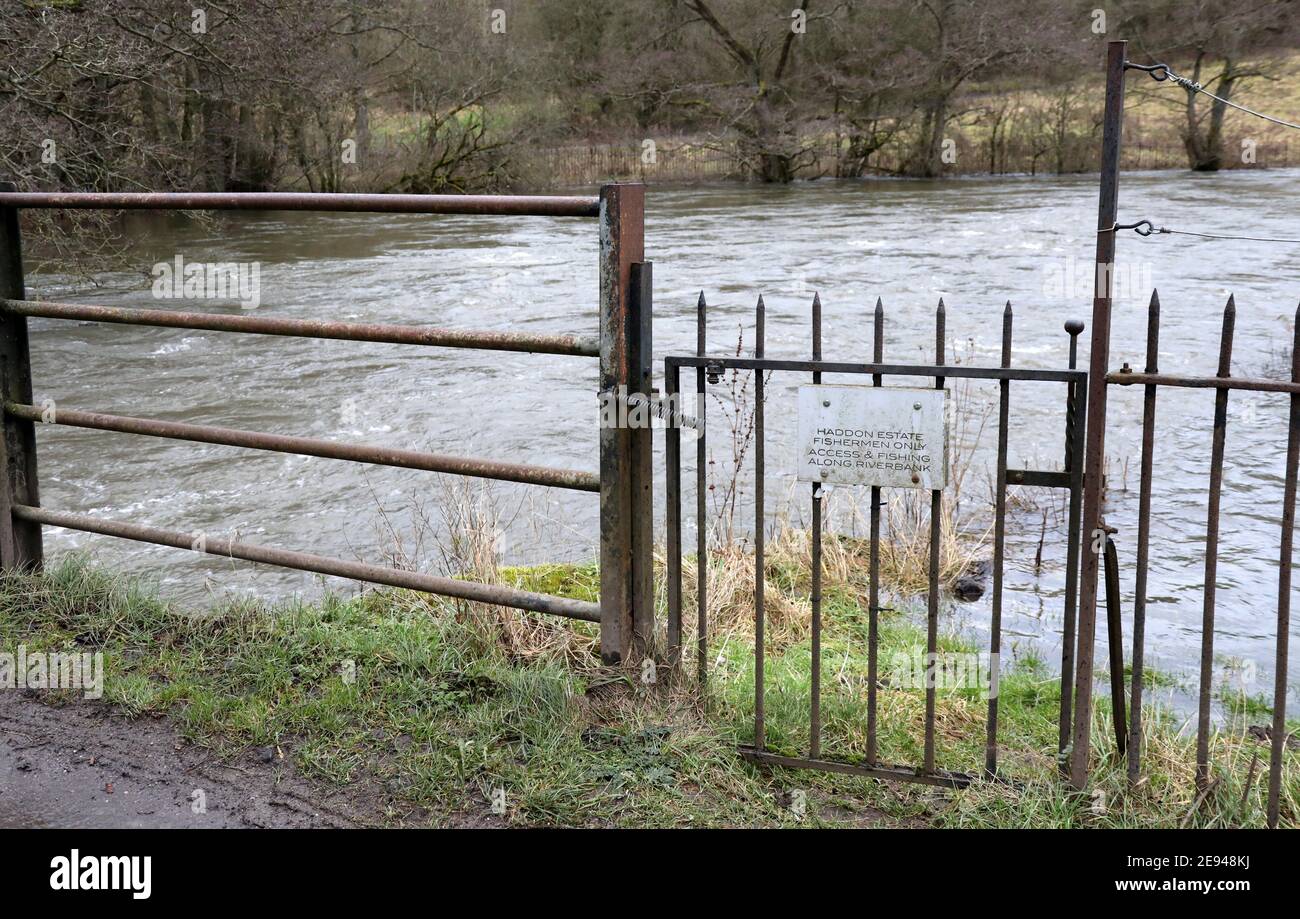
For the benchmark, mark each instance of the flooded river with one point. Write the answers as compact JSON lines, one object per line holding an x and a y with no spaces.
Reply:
{"x":975,"y":242}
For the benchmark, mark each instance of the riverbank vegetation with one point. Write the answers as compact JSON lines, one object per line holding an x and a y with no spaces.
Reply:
{"x":430,"y":707}
{"x":448,"y":96}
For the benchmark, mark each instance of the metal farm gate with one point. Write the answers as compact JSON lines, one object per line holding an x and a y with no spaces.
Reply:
{"x":622,"y":346}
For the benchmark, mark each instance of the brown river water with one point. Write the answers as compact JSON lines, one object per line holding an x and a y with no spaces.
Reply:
{"x":976,"y":242}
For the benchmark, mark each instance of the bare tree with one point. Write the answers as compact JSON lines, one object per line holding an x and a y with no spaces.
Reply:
{"x":953,"y":41}
{"x":1213,"y":39}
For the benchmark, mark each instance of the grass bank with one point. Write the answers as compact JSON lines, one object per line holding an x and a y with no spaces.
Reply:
{"x":437,"y":707}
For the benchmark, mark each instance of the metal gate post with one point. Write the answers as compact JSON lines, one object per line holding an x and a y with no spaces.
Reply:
{"x":1098,"y":361}
{"x":626,"y":511}
{"x":20,"y":540}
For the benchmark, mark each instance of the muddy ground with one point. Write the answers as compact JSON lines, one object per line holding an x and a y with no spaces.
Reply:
{"x":85,"y":765}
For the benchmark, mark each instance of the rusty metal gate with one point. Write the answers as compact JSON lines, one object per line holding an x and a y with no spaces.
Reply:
{"x":626,"y":609}
{"x":708,"y":368}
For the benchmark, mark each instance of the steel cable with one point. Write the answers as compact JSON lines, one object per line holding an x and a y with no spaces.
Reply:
{"x":1161,"y":72}
{"x":1147,"y":228}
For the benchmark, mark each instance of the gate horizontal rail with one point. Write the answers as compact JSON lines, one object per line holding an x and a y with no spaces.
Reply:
{"x":311,"y":446}
{"x":575,"y":345}
{"x":939,"y":777}
{"x":451,"y":587}
{"x":731,"y":362}
{"x":625,"y":611}
{"x":507,"y":205}
{"x":1253,"y":384}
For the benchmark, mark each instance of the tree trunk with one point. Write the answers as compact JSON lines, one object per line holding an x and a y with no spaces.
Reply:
{"x":360,"y":103}
{"x":1204,"y":146}
{"x":775,"y":164}
{"x":927,"y":158}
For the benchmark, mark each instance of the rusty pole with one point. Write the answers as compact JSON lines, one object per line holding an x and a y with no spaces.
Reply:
{"x":1279,"y":738}
{"x":999,"y":549}
{"x":1218,"y":445}
{"x":548,"y":476}
{"x":484,"y":340}
{"x":504,"y":205}
{"x":701,"y":497}
{"x":641,"y":374}
{"x":1115,"y":639}
{"x":20,"y":540}
{"x":492,"y":594}
{"x":1143,"y":543}
{"x":1098,"y":359}
{"x":626,"y":589}
{"x":815,"y":709}
{"x":1073,"y":461}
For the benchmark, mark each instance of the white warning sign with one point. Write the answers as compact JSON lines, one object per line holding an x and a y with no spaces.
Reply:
{"x":868,"y":435}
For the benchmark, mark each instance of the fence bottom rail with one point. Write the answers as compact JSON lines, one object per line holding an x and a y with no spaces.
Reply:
{"x":939,"y":777}
{"x":495,"y":594}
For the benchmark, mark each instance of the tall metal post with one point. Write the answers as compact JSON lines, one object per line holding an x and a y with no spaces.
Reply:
{"x":20,"y":540}
{"x":626,"y":512}
{"x":1098,"y":362}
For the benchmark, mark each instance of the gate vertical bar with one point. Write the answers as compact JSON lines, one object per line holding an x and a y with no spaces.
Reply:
{"x":641,"y":357}
{"x":701,"y":509}
{"x":760,"y":331}
{"x":815,"y":710}
{"x":999,"y":548}
{"x":1073,"y":465}
{"x":1115,"y":643}
{"x":20,"y":540}
{"x":1078,"y":448}
{"x":673,"y":514}
{"x":932,"y":609}
{"x":623,"y":451}
{"x":1212,"y":549}
{"x":1284,"y":591}
{"x":873,"y":601}
{"x":1143,"y":543}
{"x":1098,"y":361}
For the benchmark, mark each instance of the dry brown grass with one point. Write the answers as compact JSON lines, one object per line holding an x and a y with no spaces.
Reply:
{"x":904,"y":571}
{"x":905,"y":528}
{"x":465,"y":539}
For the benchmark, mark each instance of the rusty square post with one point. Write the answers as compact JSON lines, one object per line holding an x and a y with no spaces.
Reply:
{"x":626,"y":511}
{"x":20,"y":541}
{"x":1094,"y":458}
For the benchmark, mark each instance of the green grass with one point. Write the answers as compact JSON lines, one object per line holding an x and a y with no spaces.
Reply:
{"x":423,"y":702}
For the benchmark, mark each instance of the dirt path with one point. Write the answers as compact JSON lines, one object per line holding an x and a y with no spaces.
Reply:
{"x":84,"y":765}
